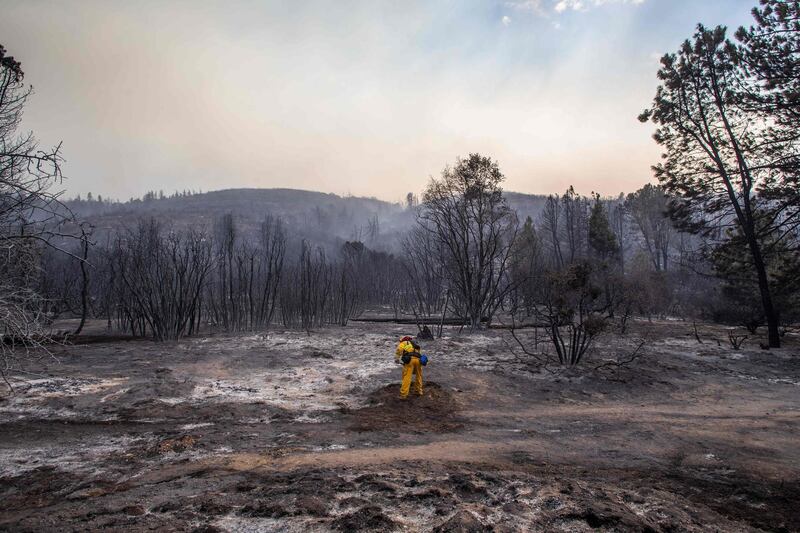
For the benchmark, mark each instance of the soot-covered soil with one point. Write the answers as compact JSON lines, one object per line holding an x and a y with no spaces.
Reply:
{"x":289,"y":432}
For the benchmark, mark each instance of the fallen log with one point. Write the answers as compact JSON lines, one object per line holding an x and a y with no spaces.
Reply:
{"x":437,"y":321}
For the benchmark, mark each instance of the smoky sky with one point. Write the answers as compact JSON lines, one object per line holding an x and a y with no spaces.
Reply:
{"x":364,"y":98}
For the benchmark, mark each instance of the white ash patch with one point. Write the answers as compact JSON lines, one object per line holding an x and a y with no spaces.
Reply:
{"x":784,"y":381}
{"x":172,"y":401}
{"x":483,"y":352}
{"x":325,"y":371}
{"x":23,"y":411}
{"x":711,"y":348}
{"x":189,"y":427}
{"x":264,"y":420}
{"x":80,"y":457}
{"x":27,"y":400}
{"x":57,"y":387}
{"x":305,"y":418}
{"x":329,"y":448}
{"x":321,"y":385}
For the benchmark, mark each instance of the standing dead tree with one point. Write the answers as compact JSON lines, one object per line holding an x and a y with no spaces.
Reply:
{"x":31,"y":218}
{"x":353,"y":276}
{"x":423,"y":263}
{"x":272,"y":237}
{"x":75,"y":288}
{"x":551,"y":230}
{"x":244,"y":292}
{"x":648,"y":208}
{"x":618,"y":217}
{"x":305,"y":293}
{"x":526,"y":270}
{"x":574,"y":208}
{"x":161,"y":280}
{"x":317,"y":291}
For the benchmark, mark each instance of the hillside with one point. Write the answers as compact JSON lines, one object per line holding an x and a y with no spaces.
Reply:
{"x":318,"y":217}
{"x":323,"y":218}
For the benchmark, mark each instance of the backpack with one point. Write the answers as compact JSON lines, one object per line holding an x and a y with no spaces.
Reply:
{"x":406,"y":357}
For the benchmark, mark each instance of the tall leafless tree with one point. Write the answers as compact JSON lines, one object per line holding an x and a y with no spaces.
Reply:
{"x":162,"y":275}
{"x":31,"y":218}
{"x":648,"y":208}
{"x":247,"y":273}
{"x":575,"y":210}
{"x":423,"y":260}
{"x":550,"y":224}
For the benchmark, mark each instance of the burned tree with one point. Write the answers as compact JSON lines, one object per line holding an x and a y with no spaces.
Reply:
{"x":648,"y":208}
{"x":526,"y":270}
{"x":551,"y":230}
{"x":306,"y":290}
{"x":568,"y":305}
{"x":352,"y":283}
{"x":272,"y":240}
{"x":423,"y":262}
{"x":31,"y":218}
{"x":247,"y":273}
{"x":574,"y":208}
{"x":161,"y":276}
{"x":466,"y":213}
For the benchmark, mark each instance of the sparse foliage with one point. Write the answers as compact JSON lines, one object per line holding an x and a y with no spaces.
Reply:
{"x":466,"y":213}
{"x":648,"y":208}
{"x":571,"y":311}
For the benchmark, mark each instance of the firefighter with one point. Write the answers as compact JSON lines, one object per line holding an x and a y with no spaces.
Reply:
{"x":409,"y":355}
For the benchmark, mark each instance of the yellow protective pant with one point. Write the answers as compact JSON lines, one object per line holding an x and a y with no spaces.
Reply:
{"x":414,"y":367}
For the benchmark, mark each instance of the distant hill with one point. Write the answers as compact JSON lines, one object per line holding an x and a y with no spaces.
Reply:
{"x":322,"y":218}
{"x":319,"y":217}
{"x":526,"y":205}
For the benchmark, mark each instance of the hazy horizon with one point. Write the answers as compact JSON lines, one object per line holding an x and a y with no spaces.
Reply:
{"x":82,"y":195}
{"x":369,"y":99}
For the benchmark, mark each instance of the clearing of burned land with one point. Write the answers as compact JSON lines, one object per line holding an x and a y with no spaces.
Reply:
{"x":293,"y":432}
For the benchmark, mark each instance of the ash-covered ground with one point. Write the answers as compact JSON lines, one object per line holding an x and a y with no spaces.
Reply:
{"x":283,"y":431}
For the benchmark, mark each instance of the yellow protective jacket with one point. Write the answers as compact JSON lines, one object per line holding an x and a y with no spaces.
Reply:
{"x":404,"y":347}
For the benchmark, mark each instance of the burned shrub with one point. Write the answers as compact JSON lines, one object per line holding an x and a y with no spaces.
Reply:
{"x":570,"y":309}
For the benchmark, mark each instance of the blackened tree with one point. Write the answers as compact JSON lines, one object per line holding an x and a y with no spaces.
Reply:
{"x":648,"y":210}
{"x":526,"y":268}
{"x":602,"y":240}
{"x":467,"y":214}
{"x":31,"y":217}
